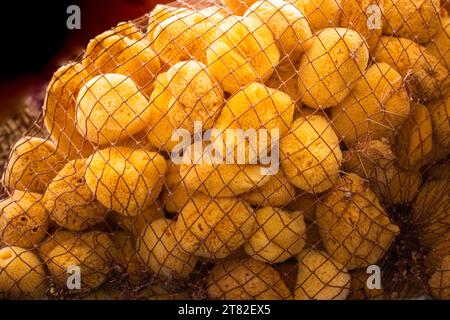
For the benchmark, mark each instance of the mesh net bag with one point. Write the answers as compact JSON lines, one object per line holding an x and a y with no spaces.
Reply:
{"x":240,"y":150}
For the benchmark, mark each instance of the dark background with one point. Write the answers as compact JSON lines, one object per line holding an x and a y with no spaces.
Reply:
{"x":35,"y":41}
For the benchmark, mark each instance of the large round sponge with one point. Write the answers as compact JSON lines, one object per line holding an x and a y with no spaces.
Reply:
{"x":279,"y":236}
{"x":125,"y":180}
{"x":22,"y":275}
{"x":110,"y":108}
{"x":70,"y":202}
{"x":214,"y":227}
{"x":310,"y":154}
{"x":247,"y":279}
{"x":23,"y":219}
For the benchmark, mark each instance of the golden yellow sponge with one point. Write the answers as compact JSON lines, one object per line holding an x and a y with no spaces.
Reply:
{"x":359,"y":289}
{"x":23,"y":219}
{"x":59,"y":111}
{"x":129,"y":29}
{"x":440,"y":115}
{"x":355,"y":229}
{"x":414,"y":140}
{"x":310,"y":154}
{"x":246,"y":279}
{"x":160,"y":126}
{"x":337,"y":57}
{"x":32,"y":164}
{"x":160,"y":13}
{"x":440,"y":280}
{"x":125,"y":180}
{"x":222,"y":180}
{"x":160,"y":249}
{"x":196,"y":95}
{"x":183,"y":36}
{"x":321,"y":277}
{"x":56,"y":239}
{"x":425,"y":77}
{"x":277,"y":192}
{"x":289,"y":26}
{"x":22,"y":275}
{"x":278,"y":237}
{"x":91,"y":252}
{"x":214,"y":227}
{"x":363,"y":16}
{"x":110,"y":108}
{"x":433,"y":223}
{"x":376,"y":107}
{"x":238,"y":7}
{"x":70,"y":202}
{"x":257,"y":107}
{"x":320,"y":13}
{"x":244,"y":51}
{"x":439,"y":46}
{"x":111,"y":52}
{"x":417,"y":20}
{"x":175,"y":195}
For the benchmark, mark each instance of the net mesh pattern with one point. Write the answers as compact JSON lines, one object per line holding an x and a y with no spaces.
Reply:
{"x":239,"y":150}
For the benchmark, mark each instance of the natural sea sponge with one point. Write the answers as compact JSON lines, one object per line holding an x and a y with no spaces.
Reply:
{"x":125,"y":180}
{"x":337,"y":57}
{"x":246,"y":279}
{"x":439,"y":171}
{"x":414,"y":140}
{"x":320,"y":277}
{"x":111,"y":52}
{"x":277,"y":192}
{"x":183,"y":36}
{"x":23,"y":219}
{"x":160,"y":126}
{"x":70,"y":202}
{"x":355,"y":229}
{"x":55,"y":240}
{"x":437,"y":251}
{"x":320,"y":13}
{"x":160,"y":13}
{"x":59,"y":111}
{"x":159,"y":248}
{"x":310,"y":154}
{"x":425,"y":77}
{"x":278,"y":237}
{"x":220,"y":180}
{"x":289,"y":26}
{"x":257,"y":107}
{"x":32,"y":164}
{"x":196,"y":95}
{"x":432,"y":223}
{"x":176,"y":194}
{"x":440,"y":115}
{"x":440,"y":280}
{"x":91,"y":252}
{"x":214,"y":227}
{"x":22,"y":275}
{"x":110,"y":108}
{"x":417,"y":20}
{"x":238,"y":7}
{"x":362,"y":16}
{"x":244,"y":51}
{"x":439,"y":46}
{"x":376,"y":107}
